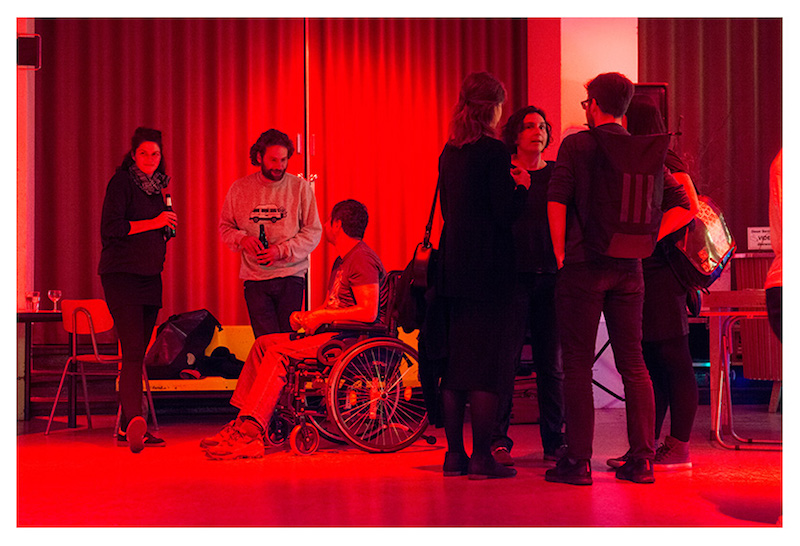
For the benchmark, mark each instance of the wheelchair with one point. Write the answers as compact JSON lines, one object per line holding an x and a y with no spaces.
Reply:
{"x":362,"y":388}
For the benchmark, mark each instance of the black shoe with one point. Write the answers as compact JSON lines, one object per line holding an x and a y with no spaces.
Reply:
{"x":571,"y":471}
{"x":554,"y":456}
{"x":489,"y":469}
{"x":637,"y":471}
{"x":502,"y":456}
{"x":455,"y":464}
{"x":616,"y":462}
{"x":135,"y":432}
{"x":149,"y":440}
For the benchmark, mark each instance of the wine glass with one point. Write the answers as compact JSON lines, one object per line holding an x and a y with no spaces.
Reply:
{"x":54,"y":296}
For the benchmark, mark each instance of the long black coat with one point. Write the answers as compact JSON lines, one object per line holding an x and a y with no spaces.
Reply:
{"x":479,"y":203}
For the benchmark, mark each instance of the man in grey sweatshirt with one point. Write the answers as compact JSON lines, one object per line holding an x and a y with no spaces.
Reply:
{"x":283,"y":208}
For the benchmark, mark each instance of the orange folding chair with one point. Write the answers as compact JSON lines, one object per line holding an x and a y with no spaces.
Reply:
{"x":89,"y":318}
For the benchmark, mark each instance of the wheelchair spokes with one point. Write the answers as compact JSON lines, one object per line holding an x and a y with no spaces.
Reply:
{"x":375,"y":397}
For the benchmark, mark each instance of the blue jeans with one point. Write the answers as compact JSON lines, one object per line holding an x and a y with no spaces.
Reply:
{"x":616,"y":289}
{"x":270,"y":302}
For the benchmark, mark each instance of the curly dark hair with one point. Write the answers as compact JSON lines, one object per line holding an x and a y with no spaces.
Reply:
{"x":353,"y":215}
{"x":513,"y":127}
{"x":273,"y":137}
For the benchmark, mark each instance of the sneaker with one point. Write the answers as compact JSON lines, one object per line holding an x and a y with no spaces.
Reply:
{"x":571,"y":471}
{"x":455,"y":464}
{"x":489,"y":469}
{"x":616,"y":462}
{"x":137,"y":428}
{"x":637,"y":471}
{"x":149,"y":440}
{"x":503,"y":456}
{"x":238,"y":446}
{"x":219,"y":437}
{"x":672,"y":455}
{"x":554,"y":456}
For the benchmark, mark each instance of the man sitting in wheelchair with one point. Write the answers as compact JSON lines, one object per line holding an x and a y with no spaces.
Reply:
{"x":356,"y":292}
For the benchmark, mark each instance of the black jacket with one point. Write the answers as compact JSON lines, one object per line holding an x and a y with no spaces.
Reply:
{"x":479,"y":203}
{"x":142,"y":253}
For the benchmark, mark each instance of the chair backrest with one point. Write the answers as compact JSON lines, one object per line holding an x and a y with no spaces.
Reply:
{"x":389,"y":315}
{"x":76,"y":321}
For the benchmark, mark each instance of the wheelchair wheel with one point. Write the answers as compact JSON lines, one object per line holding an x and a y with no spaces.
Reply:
{"x":279,"y":428}
{"x":304,"y":439}
{"x":375,"y":396}
{"x":327,"y":428}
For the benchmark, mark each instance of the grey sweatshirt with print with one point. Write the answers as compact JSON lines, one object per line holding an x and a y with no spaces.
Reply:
{"x":287,"y":209}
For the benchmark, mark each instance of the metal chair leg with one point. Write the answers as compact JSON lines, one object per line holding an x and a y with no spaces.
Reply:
{"x":119,"y":419}
{"x":85,"y":396}
{"x":58,"y":395}
{"x":725,"y":390}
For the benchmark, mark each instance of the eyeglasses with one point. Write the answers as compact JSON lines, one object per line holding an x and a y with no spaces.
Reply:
{"x":585,"y":103}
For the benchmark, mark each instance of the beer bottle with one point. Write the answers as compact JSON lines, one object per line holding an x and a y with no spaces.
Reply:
{"x":169,"y":231}
{"x":262,"y":237}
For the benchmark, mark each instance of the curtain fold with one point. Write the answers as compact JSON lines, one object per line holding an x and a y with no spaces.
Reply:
{"x":382,"y":92}
{"x":210,"y":85}
{"x":381,"y":97}
{"x":725,"y":80}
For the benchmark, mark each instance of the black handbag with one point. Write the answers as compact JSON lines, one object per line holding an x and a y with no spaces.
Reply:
{"x":424,"y":254}
{"x":416,"y":278}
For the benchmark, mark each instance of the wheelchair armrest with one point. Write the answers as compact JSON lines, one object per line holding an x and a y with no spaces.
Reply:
{"x":353,"y":326}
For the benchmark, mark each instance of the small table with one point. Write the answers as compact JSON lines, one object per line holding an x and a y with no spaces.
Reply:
{"x":724,"y":309}
{"x":28,"y":318}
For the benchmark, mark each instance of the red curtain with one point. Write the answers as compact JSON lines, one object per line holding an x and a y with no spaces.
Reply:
{"x":381,"y":92}
{"x":212,"y":86}
{"x":725,"y":82}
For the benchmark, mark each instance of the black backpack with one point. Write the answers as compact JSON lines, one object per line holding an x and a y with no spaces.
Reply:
{"x":180,"y":342}
{"x":627,"y":186}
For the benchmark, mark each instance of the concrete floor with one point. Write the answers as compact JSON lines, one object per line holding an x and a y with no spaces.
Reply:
{"x":77,"y":477}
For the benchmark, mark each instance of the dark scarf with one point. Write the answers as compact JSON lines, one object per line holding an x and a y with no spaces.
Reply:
{"x":148,"y":184}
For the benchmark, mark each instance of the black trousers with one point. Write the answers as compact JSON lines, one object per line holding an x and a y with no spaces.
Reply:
{"x":669,"y":362}
{"x":535,"y":305}
{"x":134,"y":324}
{"x":134,"y":301}
{"x":774,"y":310}
{"x":270,"y":302}
{"x":584,"y":291}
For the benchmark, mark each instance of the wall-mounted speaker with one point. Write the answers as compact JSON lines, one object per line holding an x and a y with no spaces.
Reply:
{"x":29,"y":51}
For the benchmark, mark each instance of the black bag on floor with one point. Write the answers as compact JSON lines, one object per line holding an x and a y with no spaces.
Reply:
{"x":624,"y":208}
{"x":221,"y":362}
{"x":180,"y":342}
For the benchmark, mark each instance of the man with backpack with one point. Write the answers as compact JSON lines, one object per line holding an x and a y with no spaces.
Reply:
{"x":605,"y":203}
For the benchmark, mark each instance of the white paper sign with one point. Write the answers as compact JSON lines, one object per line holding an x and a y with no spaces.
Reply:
{"x":758,"y":238}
